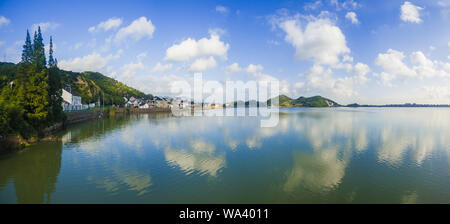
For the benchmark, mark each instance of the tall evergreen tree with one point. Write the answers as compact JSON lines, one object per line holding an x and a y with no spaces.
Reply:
{"x":34,"y":102}
{"x":32,"y":95}
{"x":32,"y":91}
{"x":27,"y":52}
{"x":38,"y":50}
{"x":56,"y":113}
{"x":51,"y":60}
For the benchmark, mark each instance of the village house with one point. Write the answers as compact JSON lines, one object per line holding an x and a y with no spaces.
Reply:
{"x":72,"y":101}
{"x":144,"y":105}
{"x":156,"y":101}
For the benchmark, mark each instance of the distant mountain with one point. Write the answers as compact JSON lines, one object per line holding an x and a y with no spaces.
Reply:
{"x":89,"y":85}
{"x":285,"y":101}
{"x":315,"y":101}
{"x":400,"y":105}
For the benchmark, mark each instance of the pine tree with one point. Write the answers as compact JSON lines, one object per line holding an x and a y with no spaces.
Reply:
{"x":38,"y":50}
{"x":27,"y":52}
{"x":34,"y":98}
{"x":56,"y":113}
{"x":51,"y":60}
{"x":32,"y":91}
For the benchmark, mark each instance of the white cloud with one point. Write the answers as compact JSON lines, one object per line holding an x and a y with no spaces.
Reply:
{"x":91,"y":62}
{"x":251,"y":68}
{"x":4,"y":21}
{"x":233,"y":68}
{"x":1,"y":43}
{"x":107,"y":25}
{"x":256,"y":72}
{"x":410,"y":13}
{"x":217,"y":31}
{"x":436,"y":92}
{"x":352,"y":17}
{"x":221,"y":9}
{"x":386,"y":78}
{"x":254,"y":68}
{"x":421,"y":67}
{"x":319,"y":81}
{"x":45,"y":26}
{"x":130,"y":69}
{"x":312,"y":5}
{"x":161,"y":68}
{"x":137,"y":30}
{"x":202,"y":64}
{"x":347,"y":58}
{"x":191,"y":49}
{"x":448,"y":44}
{"x":320,"y":40}
{"x":360,"y":71}
{"x":158,"y":85}
{"x":393,"y":65}
{"x":425,"y":68}
{"x":348,"y":4}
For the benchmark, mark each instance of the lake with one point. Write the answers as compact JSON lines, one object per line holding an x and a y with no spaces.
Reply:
{"x":328,"y":155}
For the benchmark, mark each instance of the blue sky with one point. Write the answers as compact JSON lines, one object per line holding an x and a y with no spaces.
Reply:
{"x":351,"y":51}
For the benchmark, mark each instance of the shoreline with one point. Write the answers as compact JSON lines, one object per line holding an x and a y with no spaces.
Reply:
{"x":16,"y":143}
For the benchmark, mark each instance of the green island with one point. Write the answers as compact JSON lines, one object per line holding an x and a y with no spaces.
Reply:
{"x":315,"y":101}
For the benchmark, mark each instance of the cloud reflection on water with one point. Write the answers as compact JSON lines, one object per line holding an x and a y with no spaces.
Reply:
{"x":197,"y":156}
{"x":314,"y":147}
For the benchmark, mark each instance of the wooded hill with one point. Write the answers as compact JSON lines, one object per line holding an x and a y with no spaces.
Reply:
{"x":285,"y":101}
{"x":315,"y":101}
{"x":88,"y":85}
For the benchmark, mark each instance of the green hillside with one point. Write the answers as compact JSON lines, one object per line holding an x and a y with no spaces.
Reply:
{"x":315,"y":101}
{"x":89,"y":85}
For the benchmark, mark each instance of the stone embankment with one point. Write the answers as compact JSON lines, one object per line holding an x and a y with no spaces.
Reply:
{"x":81,"y":116}
{"x":141,"y":110}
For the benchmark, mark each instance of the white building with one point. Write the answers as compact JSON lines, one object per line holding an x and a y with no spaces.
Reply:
{"x":144,"y":106}
{"x":72,"y":101}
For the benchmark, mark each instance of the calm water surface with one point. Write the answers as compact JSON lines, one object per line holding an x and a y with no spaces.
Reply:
{"x":342,"y":155}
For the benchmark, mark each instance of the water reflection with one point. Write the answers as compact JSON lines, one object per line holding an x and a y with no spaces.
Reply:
{"x":198,"y":157}
{"x":33,"y":173}
{"x":312,"y":155}
{"x":318,"y":172}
